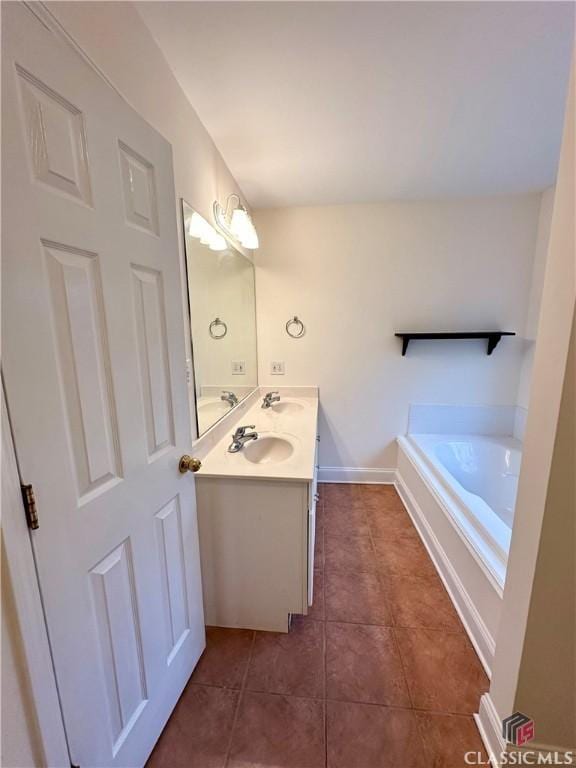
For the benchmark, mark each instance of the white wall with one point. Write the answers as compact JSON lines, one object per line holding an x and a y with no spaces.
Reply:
{"x":547,"y":680}
{"x":534,"y":665}
{"x":356,"y":274}
{"x":116,"y":39}
{"x":531,"y":329}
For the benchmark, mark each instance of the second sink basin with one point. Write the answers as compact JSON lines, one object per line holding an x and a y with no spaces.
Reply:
{"x":269,"y":449}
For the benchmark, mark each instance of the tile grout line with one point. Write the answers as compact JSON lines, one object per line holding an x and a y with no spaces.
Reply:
{"x":401,"y":658}
{"x":454,"y":632}
{"x":421,"y":714}
{"x":240,"y":697}
{"x":381,"y":705}
{"x":394,"y":627}
{"x":380,"y":579}
{"x":392,"y":620}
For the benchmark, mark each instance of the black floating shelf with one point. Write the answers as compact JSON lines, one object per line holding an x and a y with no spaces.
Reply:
{"x":492,"y":337}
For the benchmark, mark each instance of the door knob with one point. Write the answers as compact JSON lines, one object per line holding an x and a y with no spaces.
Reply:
{"x":188,"y":464}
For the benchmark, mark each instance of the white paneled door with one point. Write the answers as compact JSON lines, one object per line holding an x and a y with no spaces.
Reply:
{"x":94,"y":367}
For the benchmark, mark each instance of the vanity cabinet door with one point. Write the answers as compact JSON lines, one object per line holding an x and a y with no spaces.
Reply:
{"x":311,"y":544}
{"x":312,"y":499}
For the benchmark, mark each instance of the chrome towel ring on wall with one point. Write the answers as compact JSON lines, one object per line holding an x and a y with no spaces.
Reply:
{"x":295,"y":328}
{"x":217,"y":323}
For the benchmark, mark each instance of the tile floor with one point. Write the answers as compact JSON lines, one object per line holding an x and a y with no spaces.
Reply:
{"x":380,"y":674}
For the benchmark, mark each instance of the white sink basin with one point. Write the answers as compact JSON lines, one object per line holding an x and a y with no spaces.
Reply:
{"x":210,"y":410}
{"x":268,"y":449}
{"x":215,"y":408}
{"x":285,"y":406}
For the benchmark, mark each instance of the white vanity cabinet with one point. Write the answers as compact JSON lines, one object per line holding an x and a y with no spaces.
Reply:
{"x":257,"y":550}
{"x":257,"y":517}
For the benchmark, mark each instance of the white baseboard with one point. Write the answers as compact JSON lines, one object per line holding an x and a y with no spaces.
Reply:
{"x":356,"y":475}
{"x":474,"y":625}
{"x":489,"y":724}
{"x":490,"y":727}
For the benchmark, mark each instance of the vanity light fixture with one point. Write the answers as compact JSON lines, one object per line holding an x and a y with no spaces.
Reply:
{"x":205,"y":232}
{"x":236,"y":222}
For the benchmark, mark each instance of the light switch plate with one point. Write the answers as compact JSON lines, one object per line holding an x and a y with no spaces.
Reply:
{"x":238,"y":367}
{"x":277,"y":368}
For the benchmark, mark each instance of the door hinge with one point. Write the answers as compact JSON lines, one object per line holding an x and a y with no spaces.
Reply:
{"x":30,"y":506}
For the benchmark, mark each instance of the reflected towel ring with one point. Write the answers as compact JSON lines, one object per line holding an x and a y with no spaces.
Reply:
{"x":216,"y":324}
{"x":300,"y":325}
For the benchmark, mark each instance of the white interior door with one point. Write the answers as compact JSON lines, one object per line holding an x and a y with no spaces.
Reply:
{"x":94,"y":365}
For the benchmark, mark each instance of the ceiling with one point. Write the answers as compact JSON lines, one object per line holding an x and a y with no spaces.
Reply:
{"x":342,"y":102}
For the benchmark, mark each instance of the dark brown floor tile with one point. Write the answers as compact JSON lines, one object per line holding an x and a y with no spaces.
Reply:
{"x":341,"y":493}
{"x":442,"y":670}
{"x":319,"y":549}
{"x":316,"y":610}
{"x":320,"y":513}
{"x":344,"y":512}
{"x":405,"y":555}
{"x":291,"y":663}
{"x":381,"y":497}
{"x":417,"y":601}
{"x":322,"y":490}
{"x":278,"y":732}
{"x":225,"y":658}
{"x":388,"y":524}
{"x":392,"y":639}
{"x":367,"y":736}
{"x":198,"y":731}
{"x":363,"y":665}
{"x":447,"y":738}
{"x":351,"y":554}
{"x":355,"y":597}
{"x":344,"y":519}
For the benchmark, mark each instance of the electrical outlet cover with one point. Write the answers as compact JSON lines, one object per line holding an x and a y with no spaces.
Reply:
{"x":277,"y":368}
{"x":238,"y":367}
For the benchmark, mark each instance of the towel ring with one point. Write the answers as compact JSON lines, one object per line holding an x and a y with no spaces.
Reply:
{"x":294,"y":321}
{"x":216,"y":324}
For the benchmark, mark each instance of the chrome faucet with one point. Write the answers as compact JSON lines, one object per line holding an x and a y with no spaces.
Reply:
{"x":240,"y":437}
{"x":269,"y":398}
{"x":229,"y":397}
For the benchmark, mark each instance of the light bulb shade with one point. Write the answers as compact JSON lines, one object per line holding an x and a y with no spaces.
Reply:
{"x":218,"y":243}
{"x":196,"y":225}
{"x":239,"y":223}
{"x":251,"y":238}
{"x":239,"y":226}
{"x":208,"y":234}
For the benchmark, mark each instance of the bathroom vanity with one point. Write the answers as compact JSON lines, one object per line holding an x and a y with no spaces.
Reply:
{"x":257,"y":512}
{"x":256,"y":503}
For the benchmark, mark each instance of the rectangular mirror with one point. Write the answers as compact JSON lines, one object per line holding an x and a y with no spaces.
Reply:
{"x":221,"y":297}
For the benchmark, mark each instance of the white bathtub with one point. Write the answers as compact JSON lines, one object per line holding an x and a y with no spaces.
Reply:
{"x":457,"y":474}
{"x":476,"y":478}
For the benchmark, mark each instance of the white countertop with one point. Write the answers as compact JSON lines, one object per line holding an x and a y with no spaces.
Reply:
{"x":299,"y":427}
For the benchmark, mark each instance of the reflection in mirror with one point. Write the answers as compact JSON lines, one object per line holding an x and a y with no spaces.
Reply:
{"x":222,"y":320}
